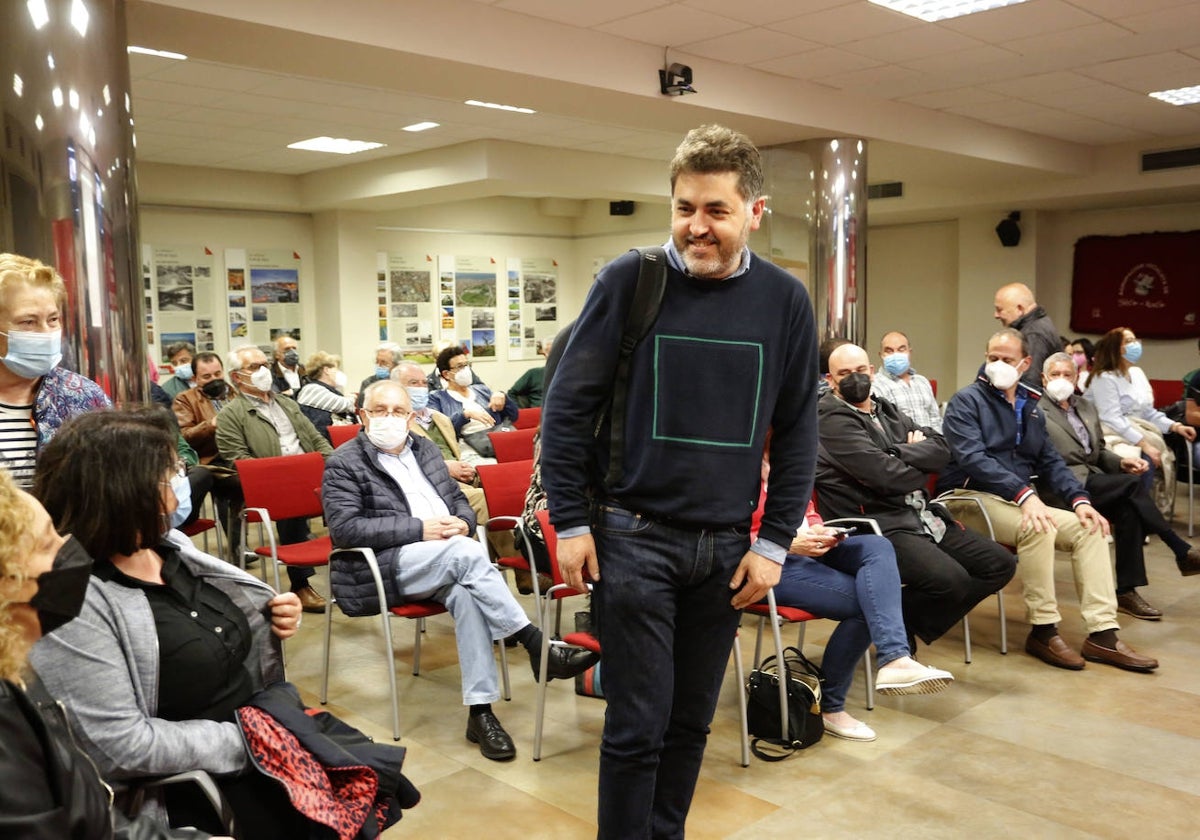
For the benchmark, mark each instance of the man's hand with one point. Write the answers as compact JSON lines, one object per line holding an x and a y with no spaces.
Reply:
{"x":443,"y":528}
{"x":916,"y":436}
{"x":1153,"y":453}
{"x":496,"y":403}
{"x":574,"y":554}
{"x":1187,"y":431}
{"x":1134,"y":466}
{"x":480,"y":415}
{"x":1091,"y":519}
{"x":461,"y":471}
{"x":1035,"y":515}
{"x":758,"y":574}
{"x":285,"y":614}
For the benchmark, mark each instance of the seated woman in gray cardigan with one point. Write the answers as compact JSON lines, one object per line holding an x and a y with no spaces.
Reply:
{"x":170,"y":641}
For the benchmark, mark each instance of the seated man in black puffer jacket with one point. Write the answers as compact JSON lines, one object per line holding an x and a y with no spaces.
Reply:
{"x":390,"y":491}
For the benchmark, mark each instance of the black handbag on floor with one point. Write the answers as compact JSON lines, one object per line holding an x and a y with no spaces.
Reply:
{"x":805,"y":724}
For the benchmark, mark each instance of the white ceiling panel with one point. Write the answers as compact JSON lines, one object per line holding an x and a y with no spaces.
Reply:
{"x":942,"y":99}
{"x":582,"y":13}
{"x":1180,"y":18}
{"x":844,"y":24}
{"x":922,"y":42}
{"x":749,"y":45}
{"x":890,"y":82}
{"x":668,"y":26}
{"x":760,"y":12}
{"x":1148,"y":72}
{"x":826,"y":61}
{"x":1023,"y":20}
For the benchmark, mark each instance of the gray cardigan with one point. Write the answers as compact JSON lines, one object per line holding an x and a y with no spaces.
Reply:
{"x":103,"y":667}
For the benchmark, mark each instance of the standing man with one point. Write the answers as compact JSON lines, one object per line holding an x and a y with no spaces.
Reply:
{"x":732,"y":354}
{"x":998,"y":436}
{"x":257,"y":424}
{"x":1016,"y":308}
{"x":287,"y":374}
{"x":902,"y":386}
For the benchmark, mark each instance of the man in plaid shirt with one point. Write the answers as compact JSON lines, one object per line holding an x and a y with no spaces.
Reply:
{"x":899,"y":384}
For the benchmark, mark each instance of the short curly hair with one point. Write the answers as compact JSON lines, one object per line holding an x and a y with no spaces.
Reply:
{"x":16,"y":536}
{"x":715,"y":148}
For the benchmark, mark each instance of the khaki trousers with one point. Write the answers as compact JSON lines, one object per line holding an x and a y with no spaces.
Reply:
{"x":1035,"y":559}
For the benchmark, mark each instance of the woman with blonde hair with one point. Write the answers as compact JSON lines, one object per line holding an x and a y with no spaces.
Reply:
{"x":49,"y":790}
{"x":322,"y":397}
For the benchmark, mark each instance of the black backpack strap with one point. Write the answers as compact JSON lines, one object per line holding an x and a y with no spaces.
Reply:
{"x":643,"y":312}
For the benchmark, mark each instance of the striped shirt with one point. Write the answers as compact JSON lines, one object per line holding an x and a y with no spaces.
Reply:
{"x":18,"y":442}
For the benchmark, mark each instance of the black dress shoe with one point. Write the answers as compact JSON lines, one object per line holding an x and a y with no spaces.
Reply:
{"x":493,"y":741}
{"x":1189,"y":564}
{"x":564,"y":662}
{"x":1132,"y":603}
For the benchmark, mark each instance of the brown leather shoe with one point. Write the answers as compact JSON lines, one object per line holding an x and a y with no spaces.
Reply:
{"x":1189,"y":564}
{"x":1123,"y":656}
{"x":1055,"y":652}
{"x":310,"y":600}
{"x":1131,"y":603}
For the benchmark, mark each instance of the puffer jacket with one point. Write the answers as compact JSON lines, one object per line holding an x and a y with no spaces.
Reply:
{"x":364,"y":506}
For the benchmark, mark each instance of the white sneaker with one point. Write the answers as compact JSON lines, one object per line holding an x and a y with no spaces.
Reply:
{"x":920,"y":679}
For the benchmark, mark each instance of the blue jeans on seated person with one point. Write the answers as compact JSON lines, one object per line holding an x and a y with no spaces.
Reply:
{"x":663,"y":615}
{"x":857,"y":584}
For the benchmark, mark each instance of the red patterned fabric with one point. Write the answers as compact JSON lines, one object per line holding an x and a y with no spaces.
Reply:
{"x":1145,"y":282}
{"x":338,"y":797}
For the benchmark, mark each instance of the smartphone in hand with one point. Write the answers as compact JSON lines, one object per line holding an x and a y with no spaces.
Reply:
{"x":840,"y":533}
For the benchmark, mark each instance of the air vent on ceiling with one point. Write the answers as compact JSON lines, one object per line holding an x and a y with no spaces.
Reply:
{"x":888,"y":189}
{"x":1170,"y":159}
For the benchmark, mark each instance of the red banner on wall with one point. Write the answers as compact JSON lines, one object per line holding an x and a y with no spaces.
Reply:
{"x":1148,"y":282}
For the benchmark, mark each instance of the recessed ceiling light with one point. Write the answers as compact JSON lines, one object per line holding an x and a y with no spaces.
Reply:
{"x":421,"y":126}
{"x":1179,"y":96}
{"x":79,"y":17}
{"x":932,"y":10}
{"x":159,"y":53}
{"x":335,"y":145}
{"x":497,"y":106}
{"x":18,"y":85}
{"x":38,"y":13}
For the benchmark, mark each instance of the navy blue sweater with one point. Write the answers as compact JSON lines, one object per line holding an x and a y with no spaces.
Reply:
{"x":725,"y":361}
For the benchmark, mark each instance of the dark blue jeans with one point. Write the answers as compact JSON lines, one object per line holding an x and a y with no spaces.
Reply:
{"x":662,"y":611}
{"x":856,"y":584}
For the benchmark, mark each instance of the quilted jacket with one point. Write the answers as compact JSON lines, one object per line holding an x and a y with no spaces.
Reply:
{"x":364,"y":506}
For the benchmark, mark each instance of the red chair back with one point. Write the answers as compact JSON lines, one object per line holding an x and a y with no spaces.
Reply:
{"x":1166,"y":391}
{"x":340,"y":434}
{"x":528,"y":418}
{"x":933,"y":385}
{"x":551,"y":538}
{"x":287,"y":486}
{"x":516,"y":445}
{"x":505,"y":485}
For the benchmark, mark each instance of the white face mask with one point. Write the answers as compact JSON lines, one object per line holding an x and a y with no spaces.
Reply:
{"x":339,"y":379}
{"x":1059,"y":389}
{"x":463,"y":377}
{"x":387,"y":433}
{"x":1002,"y":375}
{"x":262,"y":379}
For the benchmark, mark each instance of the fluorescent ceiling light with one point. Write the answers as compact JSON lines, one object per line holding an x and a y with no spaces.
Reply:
{"x":933,"y":10}
{"x":79,"y":17}
{"x":497,"y":106}
{"x":421,"y":126}
{"x":159,"y":53}
{"x":18,"y":85}
{"x":38,"y":12}
{"x":335,"y":145}
{"x":1179,"y":96}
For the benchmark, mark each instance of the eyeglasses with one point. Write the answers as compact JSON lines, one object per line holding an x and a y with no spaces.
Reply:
{"x":398,"y":413}
{"x":253,"y":366}
{"x":457,"y":368}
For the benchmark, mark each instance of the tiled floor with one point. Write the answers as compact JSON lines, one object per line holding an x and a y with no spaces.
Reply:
{"x":1014,"y":748}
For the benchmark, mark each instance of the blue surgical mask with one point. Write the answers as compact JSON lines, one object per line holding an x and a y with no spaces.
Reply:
{"x":184,"y":372}
{"x":896,"y":364}
{"x":32,"y":354}
{"x":1132,"y":352}
{"x":381,"y":372}
{"x":419,"y":397}
{"x":183,"y":498}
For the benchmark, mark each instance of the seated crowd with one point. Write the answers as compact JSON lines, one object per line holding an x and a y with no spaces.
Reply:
{"x":155,"y":647}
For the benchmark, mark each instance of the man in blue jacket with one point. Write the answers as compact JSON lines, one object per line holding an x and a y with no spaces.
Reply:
{"x":390,"y":491}
{"x":732,"y":353}
{"x":997,"y":434}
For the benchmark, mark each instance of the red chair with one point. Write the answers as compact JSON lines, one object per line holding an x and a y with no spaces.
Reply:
{"x":515,"y":445}
{"x":1166,"y":391}
{"x":284,"y":487}
{"x":528,"y":418}
{"x":418,"y":611}
{"x":340,"y":434}
{"x":203,"y":525}
{"x":504,"y":488}
{"x":933,"y":385}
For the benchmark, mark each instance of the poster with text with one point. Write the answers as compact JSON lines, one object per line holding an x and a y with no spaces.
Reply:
{"x":532,"y":311}
{"x":469,"y":300}
{"x":408,"y":309}
{"x":180,"y":291}
{"x":266,"y":284}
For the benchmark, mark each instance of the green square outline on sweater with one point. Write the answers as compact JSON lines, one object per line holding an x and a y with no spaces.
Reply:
{"x":753,"y":345}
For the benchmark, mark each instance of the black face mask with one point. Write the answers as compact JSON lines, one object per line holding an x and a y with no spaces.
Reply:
{"x":855,"y":388}
{"x":291,"y":358}
{"x":215,"y":389}
{"x":61,"y":590}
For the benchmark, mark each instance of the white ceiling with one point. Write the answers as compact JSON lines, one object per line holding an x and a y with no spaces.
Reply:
{"x":1042,"y":85}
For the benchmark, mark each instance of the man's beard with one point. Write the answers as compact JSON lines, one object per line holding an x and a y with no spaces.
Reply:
{"x":716,"y":264}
